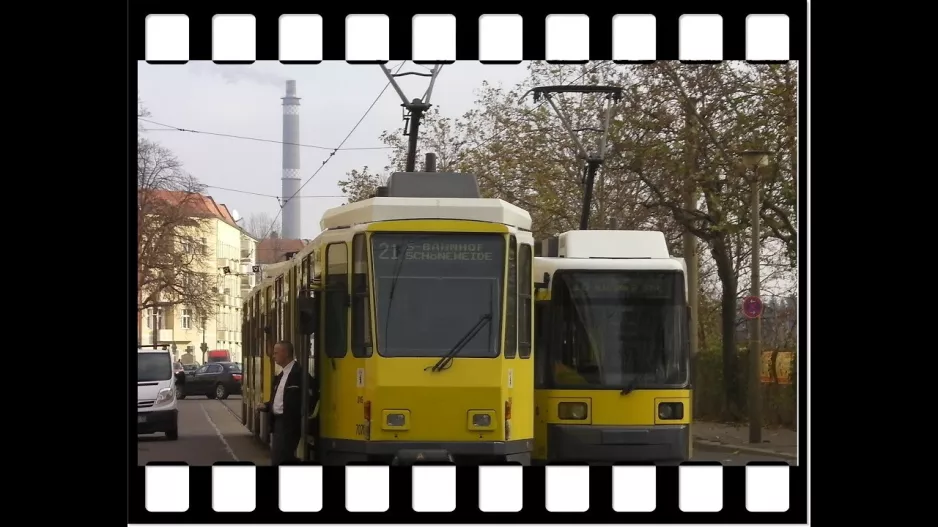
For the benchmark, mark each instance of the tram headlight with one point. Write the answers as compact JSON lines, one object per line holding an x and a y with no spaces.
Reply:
{"x":670,"y":411}
{"x":395,"y":420}
{"x":572,"y":411}
{"x":479,"y":420}
{"x":482,"y":420}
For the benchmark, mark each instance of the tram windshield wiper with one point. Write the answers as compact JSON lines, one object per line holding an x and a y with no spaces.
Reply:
{"x":473,"y":331}
{"x":630,"y":387}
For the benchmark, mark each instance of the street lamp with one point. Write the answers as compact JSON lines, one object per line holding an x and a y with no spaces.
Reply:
{"x":753,"y":159}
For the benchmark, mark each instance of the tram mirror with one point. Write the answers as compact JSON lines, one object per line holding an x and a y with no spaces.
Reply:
{"x":544,"y":284}
{"x":309,"y":315}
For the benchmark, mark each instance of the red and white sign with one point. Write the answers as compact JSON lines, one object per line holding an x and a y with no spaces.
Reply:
{"x":752,"y":307}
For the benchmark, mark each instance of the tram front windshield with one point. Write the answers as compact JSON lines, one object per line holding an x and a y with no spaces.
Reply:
{"x":620,"y":329}
{"x":432,"y":289}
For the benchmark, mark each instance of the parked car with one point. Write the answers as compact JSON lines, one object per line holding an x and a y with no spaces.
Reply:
{"x":156,"y":386}
{"x":190,"y":369}
{"x":216,"y":380}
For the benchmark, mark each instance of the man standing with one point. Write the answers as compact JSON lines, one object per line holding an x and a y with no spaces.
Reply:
{"x":286,"y":404}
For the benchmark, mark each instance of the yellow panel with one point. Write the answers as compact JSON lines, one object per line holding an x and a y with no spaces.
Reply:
{"x":607,"y":408}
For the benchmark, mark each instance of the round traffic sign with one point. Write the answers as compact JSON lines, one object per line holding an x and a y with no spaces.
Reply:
{"x":752,"y":307}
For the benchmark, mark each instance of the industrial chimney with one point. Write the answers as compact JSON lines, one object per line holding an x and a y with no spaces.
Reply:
{"x":290,"y":180}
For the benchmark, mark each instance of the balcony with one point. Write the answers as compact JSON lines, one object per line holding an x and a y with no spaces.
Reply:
{"x":165,"y":335}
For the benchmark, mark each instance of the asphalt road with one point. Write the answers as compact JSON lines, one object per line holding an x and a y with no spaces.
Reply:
{"x":729,"y":458}
{"x":210,"y":431}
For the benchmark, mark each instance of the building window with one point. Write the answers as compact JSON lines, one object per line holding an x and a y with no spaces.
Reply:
{"x":155,"y":318}
{"x":186,"y":318}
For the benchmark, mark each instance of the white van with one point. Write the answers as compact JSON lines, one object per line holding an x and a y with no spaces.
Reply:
{"x":156,"y":393}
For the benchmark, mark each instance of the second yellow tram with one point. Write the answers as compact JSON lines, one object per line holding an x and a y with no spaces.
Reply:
{"x":612,"y":362}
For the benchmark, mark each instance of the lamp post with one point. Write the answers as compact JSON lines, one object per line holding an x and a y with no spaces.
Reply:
{"x":753,"y":159}
{"x":204,"y":346}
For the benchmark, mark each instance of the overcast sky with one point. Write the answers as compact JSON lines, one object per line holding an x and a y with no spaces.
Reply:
{"x":245,"y":101}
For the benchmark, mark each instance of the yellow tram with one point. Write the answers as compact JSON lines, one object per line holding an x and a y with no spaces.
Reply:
{"x":612,"y":361}
{"x":414,"y":309}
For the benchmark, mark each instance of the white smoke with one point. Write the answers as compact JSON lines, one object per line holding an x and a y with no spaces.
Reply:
{"x":234,"y":74}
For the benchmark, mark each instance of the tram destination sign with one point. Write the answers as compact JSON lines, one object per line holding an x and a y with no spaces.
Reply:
{"x":435,"y":251}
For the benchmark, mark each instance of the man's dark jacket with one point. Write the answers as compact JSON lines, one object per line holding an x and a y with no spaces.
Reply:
{"x":292,"y":399}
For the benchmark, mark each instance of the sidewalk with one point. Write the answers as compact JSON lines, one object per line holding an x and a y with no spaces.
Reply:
{"x":778,"y":442}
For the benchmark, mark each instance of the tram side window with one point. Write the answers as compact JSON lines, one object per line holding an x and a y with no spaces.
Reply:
{"x":279,"y":305}
{"x":524,"y":297}
{"x":303,"y":292}
{"x":511,"y":306}
{"x":542,"y":314}
{"x":270,"y":321}
{"x":256,"y":325}
{"x":336,"y":330}
{"x":361,"y":304}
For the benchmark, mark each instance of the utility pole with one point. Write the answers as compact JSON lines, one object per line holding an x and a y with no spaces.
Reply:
{"x":416,"y":108}
{"x":755,"y":159}
{"x":593,"y":159}
{"x":430,"y":164}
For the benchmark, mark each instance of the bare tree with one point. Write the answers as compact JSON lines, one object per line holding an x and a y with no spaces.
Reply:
{"x":172,"y":252}
{"x":261,"y":225}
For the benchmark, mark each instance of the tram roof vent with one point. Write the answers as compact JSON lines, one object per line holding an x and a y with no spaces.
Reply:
{"x":433,"y":185}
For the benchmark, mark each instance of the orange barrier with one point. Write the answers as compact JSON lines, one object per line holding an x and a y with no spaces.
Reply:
{"x":784,"y":365}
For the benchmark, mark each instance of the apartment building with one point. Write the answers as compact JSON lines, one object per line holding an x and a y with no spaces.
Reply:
{"x":230,"y":254}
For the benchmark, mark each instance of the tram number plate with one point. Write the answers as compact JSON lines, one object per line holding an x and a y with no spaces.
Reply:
{"x":141,"y":419}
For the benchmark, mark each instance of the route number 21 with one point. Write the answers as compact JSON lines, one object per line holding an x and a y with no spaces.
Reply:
{"x":385,"y":248}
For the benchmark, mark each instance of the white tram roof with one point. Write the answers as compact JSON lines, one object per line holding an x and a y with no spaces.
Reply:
{"x":607,"y":251}
{"x":612,"y":244}
{"x":408,"y":208}
{"x":552,"y":264}
{"x":274,"y":269}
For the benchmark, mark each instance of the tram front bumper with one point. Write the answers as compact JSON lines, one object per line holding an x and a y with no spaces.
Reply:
{"x":409,"y":452}
{"x":607,"y":444}
{"x":411,"y":456}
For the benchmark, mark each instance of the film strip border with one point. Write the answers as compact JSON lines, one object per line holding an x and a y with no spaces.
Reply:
{"x":692,"y":492}
{"x":490,"y":38}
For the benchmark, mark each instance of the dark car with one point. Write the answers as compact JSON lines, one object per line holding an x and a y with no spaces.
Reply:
{"x":190,"y":369}
{"x":216,"y":380}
